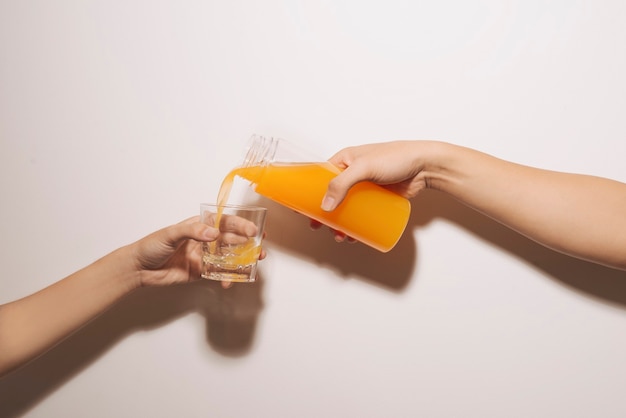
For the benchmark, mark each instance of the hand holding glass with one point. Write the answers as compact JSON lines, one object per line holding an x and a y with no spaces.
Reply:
{"x":233,"y":256}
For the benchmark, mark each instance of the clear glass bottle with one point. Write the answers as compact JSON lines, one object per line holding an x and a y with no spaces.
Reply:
{"x":280,"y":171}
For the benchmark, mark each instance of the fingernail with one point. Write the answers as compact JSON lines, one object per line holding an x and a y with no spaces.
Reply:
{"x":328,"y":203}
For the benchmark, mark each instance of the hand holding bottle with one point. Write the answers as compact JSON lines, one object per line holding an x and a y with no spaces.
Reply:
{"x":576,"y":214}
{"x":395,"y":165}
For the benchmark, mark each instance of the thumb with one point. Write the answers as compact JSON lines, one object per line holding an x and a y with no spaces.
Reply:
{"x":339,"y":186}
{"x":173,"y":235}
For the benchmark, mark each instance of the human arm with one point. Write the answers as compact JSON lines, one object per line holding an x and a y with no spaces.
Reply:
{"x":33,"y":324}
{"x":576,"y":214}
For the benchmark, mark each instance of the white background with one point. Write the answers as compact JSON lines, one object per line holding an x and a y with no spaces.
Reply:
{"x":119,"y":117}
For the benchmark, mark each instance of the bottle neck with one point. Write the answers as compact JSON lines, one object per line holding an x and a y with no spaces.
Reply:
{"x":261,"y":151}
{"x":260,"y":154}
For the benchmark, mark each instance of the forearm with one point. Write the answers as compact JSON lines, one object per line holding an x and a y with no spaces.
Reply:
{"x":32,"y":325}
{"x":580,"y":215}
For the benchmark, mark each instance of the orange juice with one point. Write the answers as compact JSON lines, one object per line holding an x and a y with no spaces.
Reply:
{"x":370,"y":214}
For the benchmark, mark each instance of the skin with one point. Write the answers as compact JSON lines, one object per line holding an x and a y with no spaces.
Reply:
{"x":579,"y":215}
{"x":32,"y":325}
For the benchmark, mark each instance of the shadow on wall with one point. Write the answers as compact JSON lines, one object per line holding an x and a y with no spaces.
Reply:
{"x":231,"y":317}
{"x":291,"y":232}
{"x":591,"y":280}
{"x":394,"y":269}
{"x":231,"y":314}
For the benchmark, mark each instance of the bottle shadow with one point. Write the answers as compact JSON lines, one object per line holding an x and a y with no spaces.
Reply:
{"x":291,"y":232}
{"x":230,"y":314}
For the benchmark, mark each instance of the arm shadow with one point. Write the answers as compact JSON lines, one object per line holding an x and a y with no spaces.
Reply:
{"x":591,"y":280}
{"x":393,"y":270}
{"x":231,"y":316}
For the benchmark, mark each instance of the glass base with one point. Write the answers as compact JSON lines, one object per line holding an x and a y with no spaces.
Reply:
{"x":245,"y":274}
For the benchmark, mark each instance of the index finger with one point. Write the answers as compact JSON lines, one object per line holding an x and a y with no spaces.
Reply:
{"x":238,"y":225}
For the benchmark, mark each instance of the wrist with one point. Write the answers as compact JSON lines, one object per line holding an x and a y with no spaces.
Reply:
{"x":124,"y":268}
{"x":437,"y":160}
